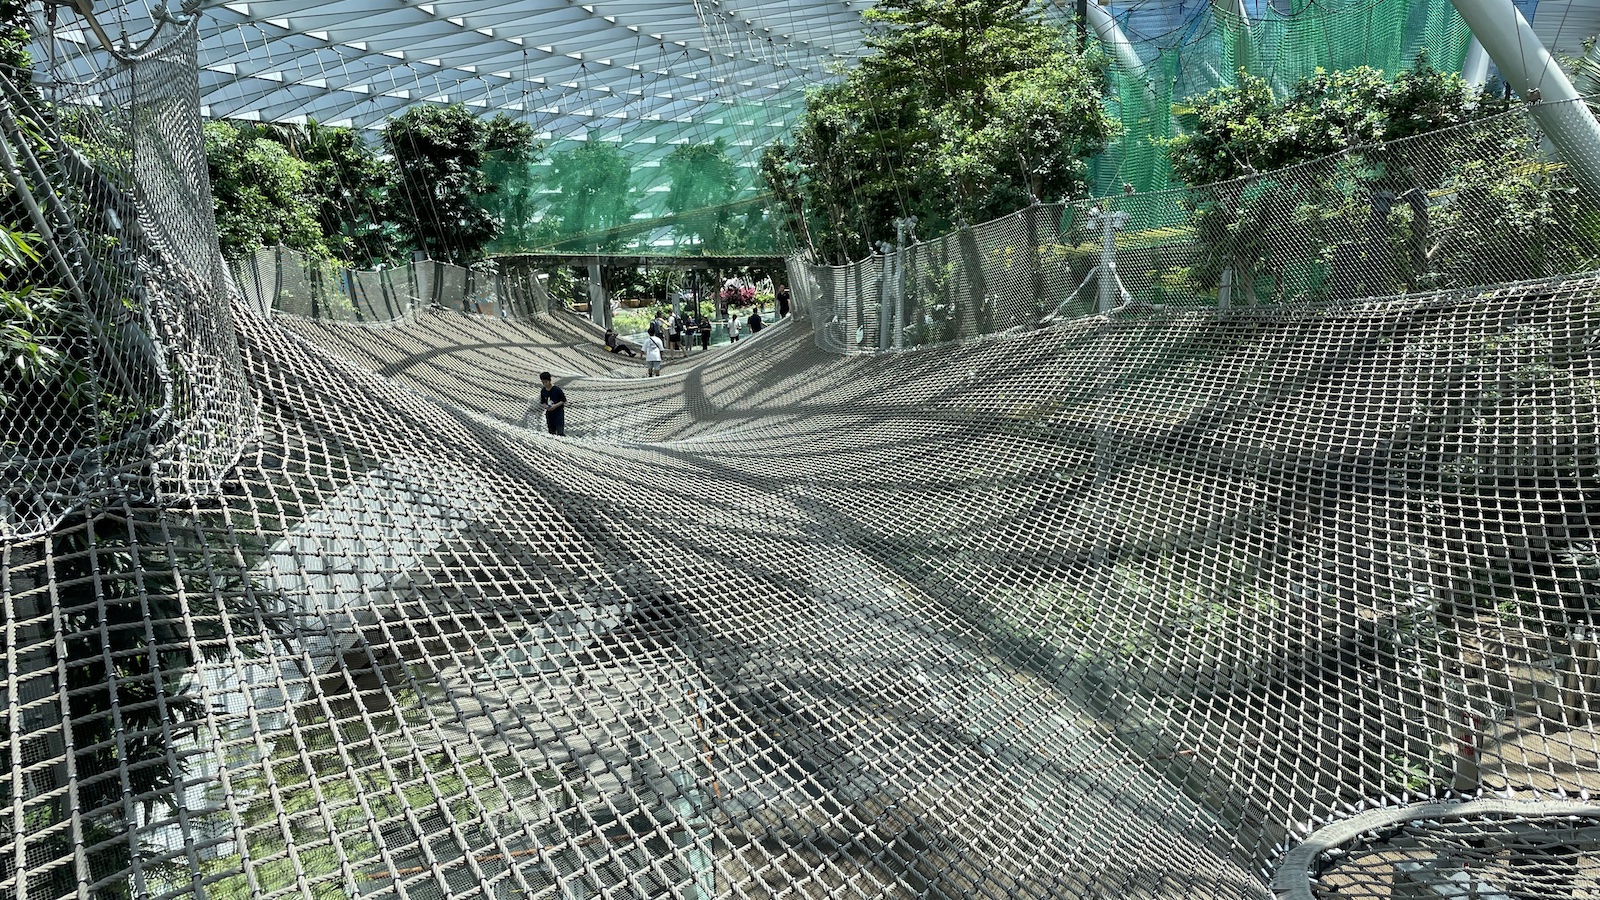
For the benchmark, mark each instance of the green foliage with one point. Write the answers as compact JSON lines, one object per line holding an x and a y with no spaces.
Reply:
{"x":351,"y":189}
{"x":31,"y":320}
{"x":509,"y":139}
{"x":703,"y":177}
{"x":780,"y":173}
{"x":1379,"y":214}
{"x":632,"y":321}
{"x":50,"y":397}
{"x":262,"y":192}
{"x":509,"y":151}
{"x":15,"y":60}
{"x":325,"y":191}
{"x":593,"y":184}
{"x":1245,"y":129}
{"x":435,"y":788}
{"x":965,"y":110}
{"x":125,"y":652}
{"x":1503,"y":222}
{"x":438,"y":152}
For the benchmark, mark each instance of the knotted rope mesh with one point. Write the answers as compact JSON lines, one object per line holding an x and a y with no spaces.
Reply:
{"x":139,"y":386}
{"x":1164,"y":601}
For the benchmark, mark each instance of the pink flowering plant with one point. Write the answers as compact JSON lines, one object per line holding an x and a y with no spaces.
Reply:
{"x":736,"y":294}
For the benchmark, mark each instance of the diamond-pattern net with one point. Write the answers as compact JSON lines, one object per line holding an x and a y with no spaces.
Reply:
{"x":1479,"y":204}
{"x":287,"y":281}
{"x":1170,"y":601}
{"x":150,"y":395}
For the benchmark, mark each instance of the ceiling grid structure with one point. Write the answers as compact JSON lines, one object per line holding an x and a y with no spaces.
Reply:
{"x":565,"y":66}
{"x":579,"y":65}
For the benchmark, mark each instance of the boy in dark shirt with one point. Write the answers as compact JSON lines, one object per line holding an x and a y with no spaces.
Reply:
{"x":553,"y":401}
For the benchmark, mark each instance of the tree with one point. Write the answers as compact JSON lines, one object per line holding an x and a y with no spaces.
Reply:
{"x":261,"y":192}
{"x":1244,"y":129}
{"x":703,"y":180}
{"x":439,"y":152}
{"x":966,"y":109}
{"x":781,"y":175}
{"x":509,"y":152}
{"x":351,"y":189}
{"x":1367,"y":222}
{"x":593,"y":181}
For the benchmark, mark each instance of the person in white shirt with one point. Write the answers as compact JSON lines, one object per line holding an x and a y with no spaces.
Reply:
{"x":652,"y":355}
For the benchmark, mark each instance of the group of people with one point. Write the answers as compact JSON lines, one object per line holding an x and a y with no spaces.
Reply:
{"x":683,"y":329}
{"x":676,"y":333}
{"x":679,"y":332}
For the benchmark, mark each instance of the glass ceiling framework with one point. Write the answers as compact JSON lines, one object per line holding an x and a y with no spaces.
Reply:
{"x":564,"y":67}
{"x":649,"y":75}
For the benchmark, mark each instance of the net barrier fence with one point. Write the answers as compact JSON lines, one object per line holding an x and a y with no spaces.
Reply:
{"x":1173,"y":601}
{"x":1483,"y":203}
{"x":124,"y":369}
{"x":285,"y":280}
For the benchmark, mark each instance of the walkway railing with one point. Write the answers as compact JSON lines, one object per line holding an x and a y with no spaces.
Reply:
{"x":1483,"y":203}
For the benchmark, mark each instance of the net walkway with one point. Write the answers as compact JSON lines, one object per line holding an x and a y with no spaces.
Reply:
{"x":1161,"y":600}
{"x":1116,"y":607}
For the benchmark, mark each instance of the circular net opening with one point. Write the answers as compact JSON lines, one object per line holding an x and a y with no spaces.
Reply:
{"x":1486,"y":850}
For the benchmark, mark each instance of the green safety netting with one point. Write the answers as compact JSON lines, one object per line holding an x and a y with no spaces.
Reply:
{"x":1186,"y":57}
{"x":650,"y":190}
{"x":644,"y":188}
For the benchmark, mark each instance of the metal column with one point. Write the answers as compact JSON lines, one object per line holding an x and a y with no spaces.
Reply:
{"x":1475,"y":67}
{"x":1528,"y":67}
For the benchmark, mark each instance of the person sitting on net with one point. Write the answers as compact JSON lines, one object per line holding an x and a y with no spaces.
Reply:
{"x":615,"y":345}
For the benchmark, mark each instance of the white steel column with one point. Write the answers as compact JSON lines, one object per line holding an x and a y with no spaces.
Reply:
{"x":1475,"y":68}
{"x":1110,"y":34}
{"x":1528,"y":67}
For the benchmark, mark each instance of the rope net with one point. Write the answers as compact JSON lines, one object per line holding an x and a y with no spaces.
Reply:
{"x":287,"y":281}
{"x":1295,"y":598}
{"x":1477,"y":204}
{"x":132,"y":377}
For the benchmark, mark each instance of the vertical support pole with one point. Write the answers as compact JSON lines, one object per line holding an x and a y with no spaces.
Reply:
{"x":347,"y":283}
{"x":1035,"y":261}
{"x":1109,"y":287}
{"x":1225,"y":290}
{"x":886,"y":295}
{"x":314,"y":281}
{"x":902,"y":233}
{"x":1528,"y":67}
{"x":277,"y":278}
{"x":1108,"y":266}
{"x":599,"y":303}
{"x":1475,"y":67}
{"x":1121,"y":49}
